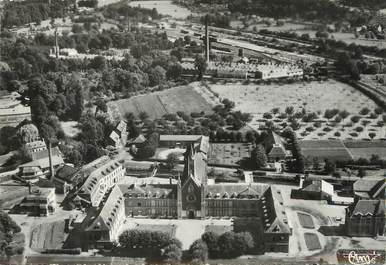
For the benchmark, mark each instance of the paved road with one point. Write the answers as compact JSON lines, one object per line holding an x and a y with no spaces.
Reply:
{"x":84,"y":260}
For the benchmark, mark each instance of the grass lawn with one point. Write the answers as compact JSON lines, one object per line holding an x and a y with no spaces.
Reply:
{"x":312,"y":241}
{"x":306,"y":220}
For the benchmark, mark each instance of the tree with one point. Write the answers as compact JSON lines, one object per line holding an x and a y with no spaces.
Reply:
{"x":157,"y":75}
{"x":98,"y":63}
{"x":79,"y":104}
{"x":172,"y":159}
{"x":171,"y":254}
{"x":259,"y":157}
{"x":372,"y":135}
{"x":361,"y":172}
{"x":200,"y":65}
{"x":38,"y":109}
{"x":289,"y":110}
{"x":100,"y":105}
{"x":315,"y":164}
{"x":329,"y":166}
{"x":198,"y":252}
{"x":211,"y":240}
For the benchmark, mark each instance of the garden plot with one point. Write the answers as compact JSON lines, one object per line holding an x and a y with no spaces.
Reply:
{"x":312,"y":241}
{"x":306,"y":221}
{"x":281,"y":105}
{"x":48,"y":236}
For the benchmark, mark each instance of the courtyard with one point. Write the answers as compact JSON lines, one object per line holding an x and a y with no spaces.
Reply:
{"x":185,"y":230}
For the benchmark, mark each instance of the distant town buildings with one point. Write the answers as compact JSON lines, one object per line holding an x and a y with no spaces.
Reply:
{"x":246,"y":70}
{"x":118,"y":137}
{"x":12,"y":111}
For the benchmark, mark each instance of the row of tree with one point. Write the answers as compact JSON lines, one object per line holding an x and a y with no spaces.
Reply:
{"x":154,"y":245}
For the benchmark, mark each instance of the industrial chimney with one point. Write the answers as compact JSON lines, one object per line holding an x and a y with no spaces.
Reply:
{"x":50,"y":160}
{"x":56,"y":43}
{"x":206,"y":39}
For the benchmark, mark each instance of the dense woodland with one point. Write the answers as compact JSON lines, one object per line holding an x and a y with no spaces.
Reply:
{"x":315,"y":10}
{"x":371,"y":4}
{"x":11,"y":240}
{"x":20,"y":13}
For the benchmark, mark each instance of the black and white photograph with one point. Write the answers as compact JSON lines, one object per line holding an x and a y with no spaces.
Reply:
{"x":192,"y":132}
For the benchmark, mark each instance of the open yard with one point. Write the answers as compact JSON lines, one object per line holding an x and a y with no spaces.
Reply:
{"x":48,"y":236}
{"x":187,"y":98}
{"x":269,"y":104}
{"x":186,"y":230}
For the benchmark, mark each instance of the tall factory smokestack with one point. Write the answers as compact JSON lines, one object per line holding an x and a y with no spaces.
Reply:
{"x":56,"y":43}
{"x":50,"y":160}
{"x":206,"y":39}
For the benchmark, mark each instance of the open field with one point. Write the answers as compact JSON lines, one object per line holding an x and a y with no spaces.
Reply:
{"x":187,"y":98}
{"x":48,"y":236}
{"x":342,"y":150}
{"x":163,"y":8}
{"x":307,"y":97}
{"x":326,"y":149}
{"x":229,"y":154}
{"x":368,"y":152}
{"x":305,"y":220}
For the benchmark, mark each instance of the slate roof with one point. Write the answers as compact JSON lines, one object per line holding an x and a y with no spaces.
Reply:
{"x":66,"y":173}
{"x":44,"y":162}
{"x":44,"y":153}
{"x":274,"y":217}
{"x":367,"y":208}
{"x":107,"y":215}
{"x":233,"y":190}
{"x":369,"y":188}
{"x":149,"y":190}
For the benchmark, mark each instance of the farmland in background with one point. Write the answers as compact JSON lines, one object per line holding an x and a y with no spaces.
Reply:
{"x":187,"y":98}
{"x":309,"y":97}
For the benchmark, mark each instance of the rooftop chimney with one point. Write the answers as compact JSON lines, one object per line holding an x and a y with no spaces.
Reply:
{"x":206,"y":39}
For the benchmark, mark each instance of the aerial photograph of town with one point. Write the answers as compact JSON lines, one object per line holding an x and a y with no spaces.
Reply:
{"x":203,"y":132}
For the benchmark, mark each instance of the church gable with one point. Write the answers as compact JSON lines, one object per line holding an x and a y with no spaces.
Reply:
{"x":191,"y":194}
